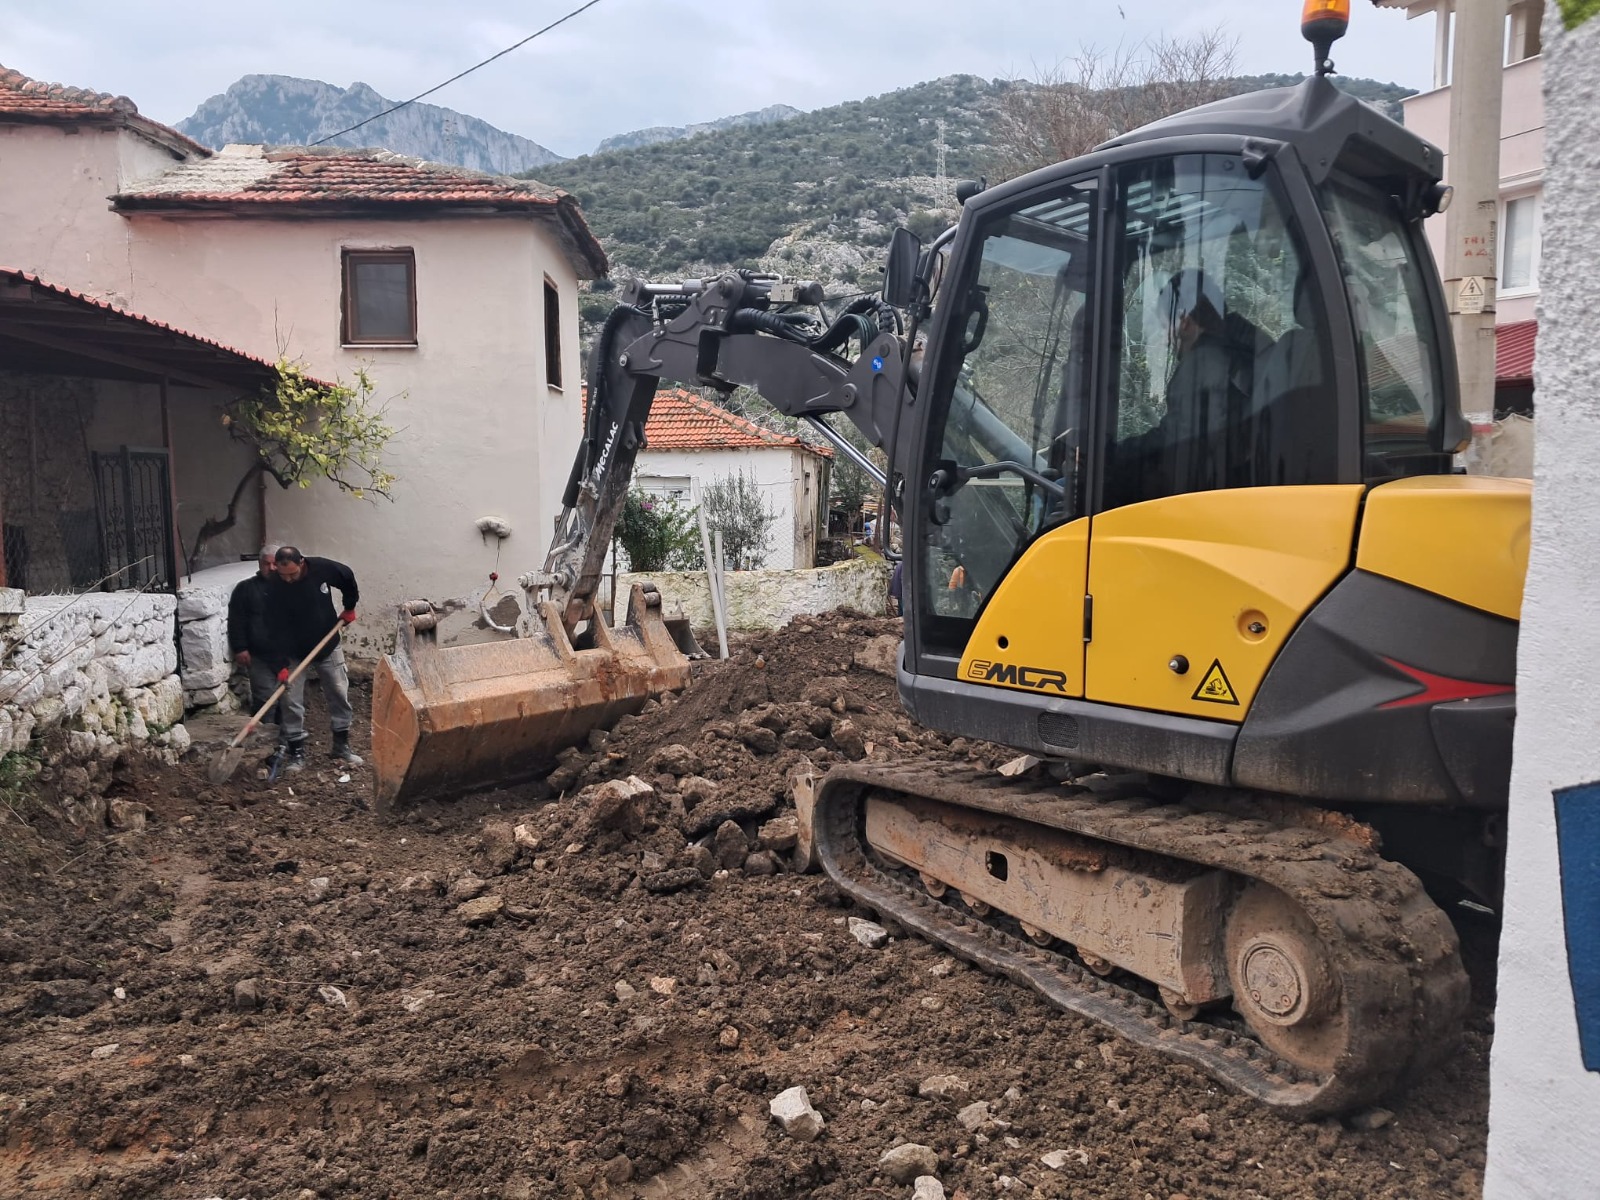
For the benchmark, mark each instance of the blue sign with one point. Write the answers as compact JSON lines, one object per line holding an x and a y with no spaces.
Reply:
{"x":1578,"y":847}
{"x":877,"y":362}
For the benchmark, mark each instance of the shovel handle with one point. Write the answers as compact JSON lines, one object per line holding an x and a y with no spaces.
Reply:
{"x":284,"y":686}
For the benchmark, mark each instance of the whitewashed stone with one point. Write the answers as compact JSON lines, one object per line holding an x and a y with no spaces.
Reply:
{"x":792,"y":1111}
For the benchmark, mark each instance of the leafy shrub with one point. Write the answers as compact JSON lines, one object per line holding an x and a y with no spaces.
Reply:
{"x":658,"y":533}
{"x":734,"y":505}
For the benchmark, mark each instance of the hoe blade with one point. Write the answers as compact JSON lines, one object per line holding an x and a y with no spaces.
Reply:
{"x":456,"y":719}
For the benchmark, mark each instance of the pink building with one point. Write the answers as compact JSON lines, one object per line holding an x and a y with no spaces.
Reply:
{"x":1521,"y":172}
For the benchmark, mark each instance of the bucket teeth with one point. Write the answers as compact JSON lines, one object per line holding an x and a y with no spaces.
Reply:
{"x":453,"y":719}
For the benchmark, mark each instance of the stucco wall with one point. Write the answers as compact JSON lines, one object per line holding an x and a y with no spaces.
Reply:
{"x":1544,"y":1107}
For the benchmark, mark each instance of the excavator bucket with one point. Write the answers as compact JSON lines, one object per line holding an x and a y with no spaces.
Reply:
{"x":453,"y":719}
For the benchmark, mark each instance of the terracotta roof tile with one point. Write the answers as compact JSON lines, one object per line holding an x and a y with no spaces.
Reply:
{"x":681,"y":420}
{"x":26,"y":99}
{"x":310,"y":179}
{"x":1513,"y":351}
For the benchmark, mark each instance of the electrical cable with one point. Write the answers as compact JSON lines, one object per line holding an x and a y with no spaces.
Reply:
{"x":580,"y":9}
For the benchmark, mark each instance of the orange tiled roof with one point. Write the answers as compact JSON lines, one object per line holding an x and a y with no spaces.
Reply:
{"x":681,"y":420}
{"x":25,"y":99}
{"x":342,"y":181}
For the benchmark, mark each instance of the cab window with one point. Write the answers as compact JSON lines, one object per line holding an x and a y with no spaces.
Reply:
{"x":1223,"y":374}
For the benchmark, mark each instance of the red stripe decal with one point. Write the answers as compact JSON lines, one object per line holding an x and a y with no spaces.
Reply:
{"x":1437,"y":689}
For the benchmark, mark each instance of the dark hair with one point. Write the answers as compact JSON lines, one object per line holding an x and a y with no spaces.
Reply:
{"x":288,"y":554}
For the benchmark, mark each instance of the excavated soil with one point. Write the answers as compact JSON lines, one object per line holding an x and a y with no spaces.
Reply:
{"x":268,"y":992}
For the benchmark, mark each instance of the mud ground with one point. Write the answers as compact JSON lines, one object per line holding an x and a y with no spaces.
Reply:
{"x":270,"y":993}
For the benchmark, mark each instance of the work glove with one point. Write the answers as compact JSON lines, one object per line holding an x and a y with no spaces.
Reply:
{"x":283,"y":675}
{"x":348,"y":616}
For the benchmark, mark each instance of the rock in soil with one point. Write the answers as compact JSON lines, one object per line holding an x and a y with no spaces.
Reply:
{"x":905,"y":1162}
{"x":792,"y":1111}
{"x":927,"y":1187}
{"x":869,"y":933}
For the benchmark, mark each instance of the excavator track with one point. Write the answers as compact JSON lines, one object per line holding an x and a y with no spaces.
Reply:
{"x":1395,"y":954}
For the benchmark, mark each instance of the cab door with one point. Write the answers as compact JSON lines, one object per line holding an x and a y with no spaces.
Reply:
{"x":1223,"y":512}
{"x":1001,"y":549}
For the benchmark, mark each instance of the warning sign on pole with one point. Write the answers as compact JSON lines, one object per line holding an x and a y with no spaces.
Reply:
{"x":1469,"y":294}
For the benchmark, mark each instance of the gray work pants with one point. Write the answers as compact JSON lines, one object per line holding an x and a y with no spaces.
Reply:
{"x":335,"y":691}
{"x":263,"y":682}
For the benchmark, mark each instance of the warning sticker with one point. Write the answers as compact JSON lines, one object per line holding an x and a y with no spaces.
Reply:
{"x":1470,"y":295}
{"x":1214,"y":686}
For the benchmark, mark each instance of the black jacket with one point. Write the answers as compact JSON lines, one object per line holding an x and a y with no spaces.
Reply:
{"x":247,"y":616}
{"x":299,"y":613}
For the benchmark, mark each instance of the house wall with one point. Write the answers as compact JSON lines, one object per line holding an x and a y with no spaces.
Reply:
{"x":478,"y":432}
{"x":55,"y":181}
{"x":1543,"y":1105}
{"x":779,"y":471}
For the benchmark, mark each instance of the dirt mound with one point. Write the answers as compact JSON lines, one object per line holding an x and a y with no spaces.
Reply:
{"x":589,"y":987}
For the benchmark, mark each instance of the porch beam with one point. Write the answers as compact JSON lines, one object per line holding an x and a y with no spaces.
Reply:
{"x":156,"y":371}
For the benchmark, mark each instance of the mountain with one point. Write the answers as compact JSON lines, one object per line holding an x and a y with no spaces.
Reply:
{"x":672,"y":133}
{"x":279,"y":110}
{"x":815,"y":195}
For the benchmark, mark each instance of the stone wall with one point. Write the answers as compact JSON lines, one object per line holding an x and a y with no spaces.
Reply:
{"x":203,"y":631}
{"x":84,"y":677}
{"x":770,"y":599}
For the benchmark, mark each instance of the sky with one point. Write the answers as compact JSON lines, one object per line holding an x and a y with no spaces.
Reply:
{"x":627,"y":64}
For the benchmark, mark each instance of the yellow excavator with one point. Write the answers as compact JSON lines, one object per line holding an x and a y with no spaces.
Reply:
{"x":1171,"y":429}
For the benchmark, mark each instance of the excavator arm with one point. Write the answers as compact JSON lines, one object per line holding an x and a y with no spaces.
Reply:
{"x":452,"y":719}
{"x":741,"y":329}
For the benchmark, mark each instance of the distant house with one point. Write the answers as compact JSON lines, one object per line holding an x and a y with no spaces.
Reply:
{"x":690,"y":442}
{"x":1521,"y":178}
{"x":457,"y":291}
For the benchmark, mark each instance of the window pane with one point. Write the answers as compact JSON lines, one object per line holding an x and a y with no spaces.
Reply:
{"x":1389,"y":303}
{"x":552,"y":336}
{"x":1018,"y":402}
{"x":1521,"y":235}
{"x":382,"y":308}
{"x":1222,"y":377}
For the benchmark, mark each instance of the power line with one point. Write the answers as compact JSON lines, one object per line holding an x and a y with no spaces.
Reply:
{"x":375,"y":116}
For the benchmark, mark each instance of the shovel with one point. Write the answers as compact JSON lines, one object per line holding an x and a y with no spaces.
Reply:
{"x":225,"y":764}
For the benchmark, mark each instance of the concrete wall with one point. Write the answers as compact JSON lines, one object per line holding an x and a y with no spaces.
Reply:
{"x":81,"y":679}
{"x":789,"y":479}
{"x":771,"y":599}
{"x":1544,"y":1106}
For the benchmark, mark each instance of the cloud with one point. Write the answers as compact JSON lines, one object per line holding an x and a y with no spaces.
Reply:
{"x":626,"y":64}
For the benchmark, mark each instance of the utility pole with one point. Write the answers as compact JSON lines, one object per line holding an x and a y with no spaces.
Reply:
{"x":1472,"y":220}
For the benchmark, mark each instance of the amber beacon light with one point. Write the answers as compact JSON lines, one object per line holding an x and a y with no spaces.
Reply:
{"x":1322,"y":23}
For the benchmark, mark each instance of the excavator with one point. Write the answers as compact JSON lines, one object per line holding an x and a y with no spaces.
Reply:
{"x":1171,"y":429}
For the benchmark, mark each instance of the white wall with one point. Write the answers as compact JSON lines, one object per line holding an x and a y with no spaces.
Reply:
{"x":55,"y":221}
{"x":1544,"y":1107}
{"x":779,"y":471}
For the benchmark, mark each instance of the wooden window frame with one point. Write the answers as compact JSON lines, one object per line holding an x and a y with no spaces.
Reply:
{"x":349,"y":257}
{"x":552,"y":334}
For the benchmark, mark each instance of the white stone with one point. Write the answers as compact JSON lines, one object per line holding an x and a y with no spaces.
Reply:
{"x":196,"y":604}
{"x":105,"y":1051}
{"x":178,"y":739}
{"x":1057,"y":1160}
{"x":974,"y":1116}
{"x":927,"y":1187}
{"x":792,"y":1111}
{"x":869,"y":933}
{"x":205,"y":697}
{"x":942,"y":1087}
{"x":908,"y":1161}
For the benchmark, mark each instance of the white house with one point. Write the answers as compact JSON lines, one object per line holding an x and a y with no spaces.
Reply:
{"x":456,"y":290}
{"x":690,"y":442}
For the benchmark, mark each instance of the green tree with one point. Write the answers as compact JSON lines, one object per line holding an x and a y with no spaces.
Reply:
{"x":735,"y":506}
{"x":303,"y":430}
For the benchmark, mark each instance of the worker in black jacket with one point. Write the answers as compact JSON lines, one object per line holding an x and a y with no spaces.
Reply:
{"x":247,"y":631}
{"x":300,"y":610}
